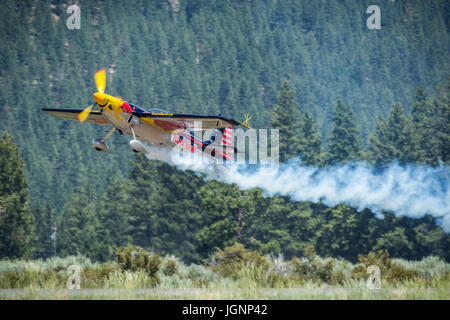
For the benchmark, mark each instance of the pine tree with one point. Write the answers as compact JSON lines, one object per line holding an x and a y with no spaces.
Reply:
{"x":419,"y":106}
{"x":420,"y":120}
{"x":442,"y":123}
{"x":380,"y":153}
{"x":114,"y":214}
{"x":227,"y":215}
{"x":77,"y":226}
{"x":164,"y":216}
{"x":286,"y":118}
{"x":16,"y":219}
{"x":345,"y":141}
{"x":394,"y":139}
{"x":423,"y":116}
{"x":44,"y":221}
{"x":310,"y":144}
{"x":395,"y":241}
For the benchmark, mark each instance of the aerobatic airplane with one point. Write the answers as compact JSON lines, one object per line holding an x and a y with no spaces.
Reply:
{"x":155,"y":127}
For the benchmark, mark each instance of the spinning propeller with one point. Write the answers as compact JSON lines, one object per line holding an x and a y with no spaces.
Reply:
{"x":100,"y":82}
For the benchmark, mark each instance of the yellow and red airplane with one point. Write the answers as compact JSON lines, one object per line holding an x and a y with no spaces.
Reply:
{"x":154,"y":126}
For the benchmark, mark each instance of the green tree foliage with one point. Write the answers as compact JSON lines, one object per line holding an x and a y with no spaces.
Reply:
{"x":388,"y":271}
{"x":345,"y":142}
{"x":313,"y":268}
{"x":134,"y":258}
{"x":380,"y":153}
{"x":442,"y":116}
{"x":232,"y":259}
{"x":286,"y":118}
{"x":215,"y":215}
{"x":76,"y":228}
{"x":394,"y":139}
{"x":170,"y":267}
{"x":310,"y":144}
{"x":164,"y":213}
{"x":45,"y":219}
{"x":278,"y":225}
{"x":16,"y":219}
{"x":220,"y":220}
{"x":170,"y":211}
{"x":431,"y":122}
{"x":395,"y":241}
{"x":227,"y":215}
{"x":177,"y":62}
{"x":228,"y":58}
{"x":421,"y":116}
{"x":114,"y":217}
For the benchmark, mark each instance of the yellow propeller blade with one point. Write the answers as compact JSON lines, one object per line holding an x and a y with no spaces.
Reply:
{"x":247,"y":119}
{"x":100,"y":79}
{"x":84,"y":114}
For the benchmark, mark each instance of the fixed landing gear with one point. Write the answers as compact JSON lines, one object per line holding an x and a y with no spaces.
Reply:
{"x":136,"y":145}
{"x":100,"y":144}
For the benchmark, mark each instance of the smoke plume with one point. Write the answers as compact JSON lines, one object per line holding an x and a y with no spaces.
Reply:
{"x":410,"y":190}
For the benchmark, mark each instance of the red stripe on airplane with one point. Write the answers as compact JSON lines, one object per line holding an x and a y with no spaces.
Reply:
{"x":192,"y":139}
{"x":226,"y":155}
{"x":226,"y":143}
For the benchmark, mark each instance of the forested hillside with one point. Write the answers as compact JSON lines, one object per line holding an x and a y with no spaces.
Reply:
{"x":359,"y":94}
{"x":226,"y":57}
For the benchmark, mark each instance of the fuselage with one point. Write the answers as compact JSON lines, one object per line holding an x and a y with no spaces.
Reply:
{"x":153,"y":132}
{"x":144,"y":129}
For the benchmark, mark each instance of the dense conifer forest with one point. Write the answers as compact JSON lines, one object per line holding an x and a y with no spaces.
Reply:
{"x":337,"y":91}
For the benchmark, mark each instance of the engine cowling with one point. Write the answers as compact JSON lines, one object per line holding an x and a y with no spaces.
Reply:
{"x":137,"y":146}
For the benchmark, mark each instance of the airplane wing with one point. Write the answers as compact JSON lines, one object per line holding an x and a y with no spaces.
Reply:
{"x":72,"y":114}
{"x":178,"y":122}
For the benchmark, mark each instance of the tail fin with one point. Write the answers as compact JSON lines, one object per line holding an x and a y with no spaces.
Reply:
{"x":221,"y":144}
{"x":227,"y":141}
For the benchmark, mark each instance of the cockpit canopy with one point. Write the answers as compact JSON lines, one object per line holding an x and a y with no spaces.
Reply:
{"x":136,"y":108}
{"x":140,"y":110}
{"x":156,"y":110}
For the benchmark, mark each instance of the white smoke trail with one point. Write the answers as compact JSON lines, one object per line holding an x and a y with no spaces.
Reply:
{"x":410,"y":190}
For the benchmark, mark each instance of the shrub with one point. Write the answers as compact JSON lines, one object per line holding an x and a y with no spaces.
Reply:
{"x":280,"y":266}
{"x":232,"y":259}
{"x":96,"y":277}
{"x":170,"y":267}
{"x":131,"y":280}
{"x":200,"y":275}
{"x":314,"y":268}
{"x":390,"y":272}
{"x":429,"y":267}
{"x":134,"y":258}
